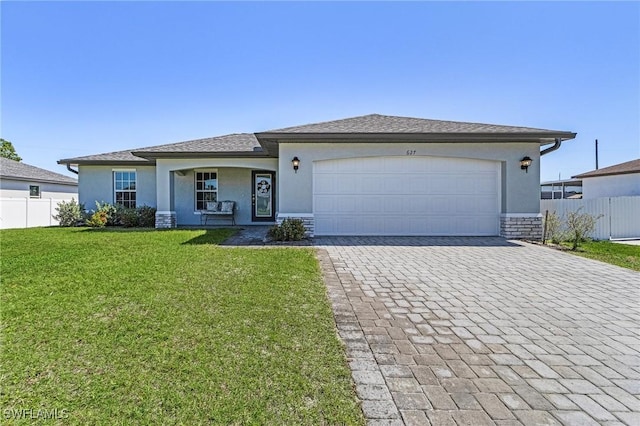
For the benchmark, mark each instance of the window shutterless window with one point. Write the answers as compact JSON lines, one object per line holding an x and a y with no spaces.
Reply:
{"x":124,"y":184}
{"x":206,"y":185}
{"x":34,"y":191}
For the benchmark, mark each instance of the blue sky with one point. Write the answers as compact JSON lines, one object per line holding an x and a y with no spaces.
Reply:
{"x":82,"y":78}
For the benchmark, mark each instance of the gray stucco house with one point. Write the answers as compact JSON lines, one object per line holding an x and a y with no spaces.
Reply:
{"x":368,"y":175}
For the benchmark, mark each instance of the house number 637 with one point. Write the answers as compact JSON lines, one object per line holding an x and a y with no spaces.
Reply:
{"x":411,"y":152}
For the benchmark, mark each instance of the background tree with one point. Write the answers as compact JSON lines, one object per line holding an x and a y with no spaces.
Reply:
{"x":8,"y":151}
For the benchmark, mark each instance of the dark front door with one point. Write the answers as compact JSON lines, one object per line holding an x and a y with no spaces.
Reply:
{"x":263,"y":196}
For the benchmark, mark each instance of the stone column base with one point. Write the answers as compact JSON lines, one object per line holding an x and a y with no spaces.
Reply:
{"x":306,"y":218}
{"x":165,"y":220}
{"x":521,"y":226}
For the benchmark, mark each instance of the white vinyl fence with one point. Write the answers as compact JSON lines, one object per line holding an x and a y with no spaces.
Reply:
{"x":620,"y":215}
{"x":28,"y":212}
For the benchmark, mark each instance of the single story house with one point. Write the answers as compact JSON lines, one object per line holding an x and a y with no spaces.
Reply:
{"x":29,"y":194}
{"x":618,"y":180}
{"x":367,"y":175}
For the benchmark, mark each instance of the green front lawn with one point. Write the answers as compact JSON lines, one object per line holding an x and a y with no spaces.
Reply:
{"x":625,"y":255}
{"x":165,"y":327}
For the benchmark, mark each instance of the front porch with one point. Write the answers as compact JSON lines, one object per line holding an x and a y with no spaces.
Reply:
{"x":189,"y":190}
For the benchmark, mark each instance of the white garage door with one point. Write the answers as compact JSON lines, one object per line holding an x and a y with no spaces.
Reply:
{"x":409,"y":195}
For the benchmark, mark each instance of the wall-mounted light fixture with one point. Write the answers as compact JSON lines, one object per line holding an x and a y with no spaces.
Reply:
{"x":525,"y":163}
{"x":296,"y":164}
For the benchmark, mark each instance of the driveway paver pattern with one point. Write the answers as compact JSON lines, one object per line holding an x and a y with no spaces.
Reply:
{"x":484,"y":331}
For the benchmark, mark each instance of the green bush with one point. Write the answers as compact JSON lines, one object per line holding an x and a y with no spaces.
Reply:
{"x":289,"y":230}
{"x":97,"y":220}
{"x":146,"y":216}
{"x":128,"y":218}
{"x":109,"y":211}
{"x":69,"y":213}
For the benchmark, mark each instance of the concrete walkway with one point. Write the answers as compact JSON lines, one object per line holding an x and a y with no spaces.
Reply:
{"x":483,"y":331}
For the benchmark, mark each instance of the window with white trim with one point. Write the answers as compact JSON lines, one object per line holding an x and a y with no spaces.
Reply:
{"x":124,"y":185}
{"x":34,"y":191}
{"x":206,"y":184}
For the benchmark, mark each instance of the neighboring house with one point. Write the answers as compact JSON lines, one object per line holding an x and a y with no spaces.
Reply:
{"x":368,"y":175}
{"x":614,"y":181}
{"x":561,"y":189}
{"x":30,"y":194}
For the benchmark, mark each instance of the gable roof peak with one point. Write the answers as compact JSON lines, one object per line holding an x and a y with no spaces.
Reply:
{"x":388,"y":124}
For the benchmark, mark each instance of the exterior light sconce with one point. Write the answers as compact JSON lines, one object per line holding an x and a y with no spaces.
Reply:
{"x":525,"y":163}
{"x":296,"y":164}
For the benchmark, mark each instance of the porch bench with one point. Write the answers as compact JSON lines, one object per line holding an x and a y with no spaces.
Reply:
{"x":219,"y":209}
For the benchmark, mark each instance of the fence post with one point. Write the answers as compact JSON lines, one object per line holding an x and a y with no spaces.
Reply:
{"x":544,"y":230}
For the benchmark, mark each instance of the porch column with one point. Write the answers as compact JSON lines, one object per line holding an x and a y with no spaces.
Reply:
{"x":165,"y":216}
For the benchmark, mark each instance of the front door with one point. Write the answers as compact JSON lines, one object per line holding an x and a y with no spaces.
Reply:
{"x":262,"y":196}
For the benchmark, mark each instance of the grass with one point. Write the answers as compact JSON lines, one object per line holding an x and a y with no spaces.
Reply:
{"x":165,"y":327}
{"x":625,"y":255}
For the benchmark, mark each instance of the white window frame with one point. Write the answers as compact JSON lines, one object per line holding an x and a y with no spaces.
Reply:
{"x":115,"y":190}
{"x":196,"y":190}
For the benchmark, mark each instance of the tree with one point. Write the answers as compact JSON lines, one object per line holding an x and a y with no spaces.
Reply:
{"x":8,"y":151}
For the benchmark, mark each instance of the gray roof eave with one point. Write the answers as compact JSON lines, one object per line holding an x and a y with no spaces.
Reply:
{"x":77,"y":162}
{"x":543,"y":138}
{"x":201,"y":154}
{"x":593,"y":175}
{"x":26,"y":179}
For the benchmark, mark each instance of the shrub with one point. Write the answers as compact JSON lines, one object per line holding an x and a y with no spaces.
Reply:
{"x":69,"y":213}
{"x":109,"y":211}
{"x":580,"y":226}
{"x":97,"y":220}
{"x":128,"y":217}
{"x":146,"y":216}
{"x":554,"y":228}
{"x":289,"y":230}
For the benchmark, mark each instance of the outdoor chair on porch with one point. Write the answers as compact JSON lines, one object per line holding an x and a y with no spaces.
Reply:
{"x":218,"y":209}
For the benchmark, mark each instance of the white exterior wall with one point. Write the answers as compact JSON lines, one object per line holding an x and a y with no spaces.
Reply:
{"x":19,"y":210}
{"x":12,"y":188}
{"x":611,"y":186}
{"x":520,"y":191}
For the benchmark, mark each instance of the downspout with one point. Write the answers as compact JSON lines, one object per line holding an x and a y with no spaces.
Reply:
{"x":551,"y":148}
{"x":70,"y":169}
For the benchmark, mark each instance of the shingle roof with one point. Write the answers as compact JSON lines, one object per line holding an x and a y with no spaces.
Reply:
{"x":367,"y":127}
{"x":376,"y":123}
{"x":239,"y":142}
{"x":107,"y":157}
{"x":632,"y":166}
{"x":10,"y":169}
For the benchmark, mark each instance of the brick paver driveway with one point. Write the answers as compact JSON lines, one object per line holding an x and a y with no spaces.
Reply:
{"x":476,"y":331}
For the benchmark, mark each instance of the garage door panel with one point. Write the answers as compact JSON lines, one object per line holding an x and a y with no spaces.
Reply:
{"x":324,"y":184}
{"x":394,"y":204}
{"x":416,"y":184}
{"x":325,"y":204}
{"x":439,"y":183}
{"x":406,"y":196}
{"x":393,"y":184}
{"x":465,"y":185}
{"x":369,"y":184}
{"x":485,"y":205}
